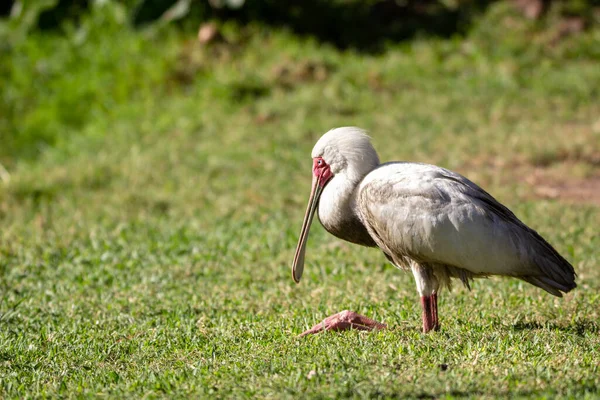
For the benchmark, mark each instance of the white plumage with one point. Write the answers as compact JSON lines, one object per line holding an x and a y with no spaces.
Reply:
{"x":424,"y":218}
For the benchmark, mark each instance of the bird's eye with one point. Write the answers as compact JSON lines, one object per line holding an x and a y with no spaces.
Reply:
{"x":320,"y":162}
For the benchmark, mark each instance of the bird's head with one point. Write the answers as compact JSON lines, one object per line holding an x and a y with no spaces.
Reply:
{"x":340,"y":152}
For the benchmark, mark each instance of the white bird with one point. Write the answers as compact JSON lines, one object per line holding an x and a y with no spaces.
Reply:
{"x":424,"y":218}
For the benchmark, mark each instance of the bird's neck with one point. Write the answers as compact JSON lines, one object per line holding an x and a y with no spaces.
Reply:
{"x":337,"y":199}
{"x":337,"y":210}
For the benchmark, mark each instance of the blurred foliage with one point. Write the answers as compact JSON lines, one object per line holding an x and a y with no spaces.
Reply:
{"x":334,"y":20}
{"x":58,"y":81}
{"x":65,"y":62}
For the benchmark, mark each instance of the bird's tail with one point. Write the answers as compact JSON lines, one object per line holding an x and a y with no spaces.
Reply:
{"x":549,"y":285}
{"x":556,"y":274}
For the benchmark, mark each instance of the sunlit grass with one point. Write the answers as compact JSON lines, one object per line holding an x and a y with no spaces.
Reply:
{"x":146,"y":250}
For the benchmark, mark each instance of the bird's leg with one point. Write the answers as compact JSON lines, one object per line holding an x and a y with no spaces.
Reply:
{"x":427,"y":285}
{"x":430,"y":313}
{"x":427,"y":315}
{"x":343,"y":321}
{"x":434,"y":309}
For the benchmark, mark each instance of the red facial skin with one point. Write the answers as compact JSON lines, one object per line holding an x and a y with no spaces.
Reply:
{"x":321,"y":171}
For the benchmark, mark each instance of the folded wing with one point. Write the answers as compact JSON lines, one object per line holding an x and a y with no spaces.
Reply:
{"x":433,"y":215}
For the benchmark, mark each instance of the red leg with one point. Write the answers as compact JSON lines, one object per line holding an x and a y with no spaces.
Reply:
{"x":427,"y":317}
{"x":436,"y":323}
{"x":427,"y":286}
{"x":343,"y":321}
{"x":430,"y":313}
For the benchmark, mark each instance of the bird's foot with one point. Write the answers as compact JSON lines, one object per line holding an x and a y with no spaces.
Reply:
{"x":343,"y":321}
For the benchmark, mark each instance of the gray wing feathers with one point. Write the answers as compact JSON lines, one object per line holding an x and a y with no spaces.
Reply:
{"x":558,"y":273}
{"x":430,"y":214}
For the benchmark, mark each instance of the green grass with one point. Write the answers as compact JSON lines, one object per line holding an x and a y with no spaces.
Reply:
{"x":146,"y":240}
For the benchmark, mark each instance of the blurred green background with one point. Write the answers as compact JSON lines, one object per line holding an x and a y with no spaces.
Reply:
{"x":57,"y":56}
{"x":155,"y":164}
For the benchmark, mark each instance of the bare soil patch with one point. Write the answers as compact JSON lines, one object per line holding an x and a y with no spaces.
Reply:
{"x":570,"y":180}
{"x":578,"y":190}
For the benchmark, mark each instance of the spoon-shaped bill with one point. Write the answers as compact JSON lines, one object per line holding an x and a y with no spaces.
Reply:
{"x":313,"y":201}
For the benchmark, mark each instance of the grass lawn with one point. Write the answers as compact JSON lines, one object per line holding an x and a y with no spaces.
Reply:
{"x":152,"y":190}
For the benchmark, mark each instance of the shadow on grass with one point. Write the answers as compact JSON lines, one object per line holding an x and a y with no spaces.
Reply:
{"x":466,"y":393}
{"x":357,"y":24}
{"x":362,"y":25}
{"x":579,"y":389}
{"x":577,"y":327}
{"x":456,"y":394}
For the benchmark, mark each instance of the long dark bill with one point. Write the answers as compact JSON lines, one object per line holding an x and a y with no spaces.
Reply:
{"x":313,"y":201}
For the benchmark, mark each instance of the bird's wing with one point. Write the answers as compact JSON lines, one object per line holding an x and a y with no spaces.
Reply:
{"x":431,"y":214}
